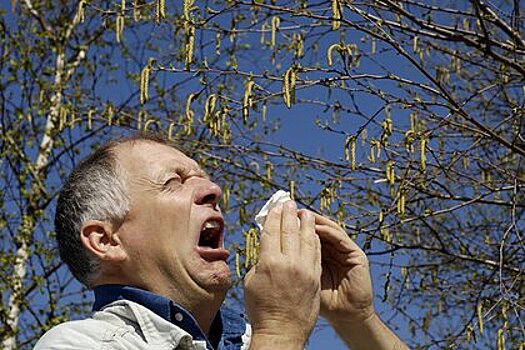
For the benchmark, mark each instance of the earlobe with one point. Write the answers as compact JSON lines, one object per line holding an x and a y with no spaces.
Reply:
{"x":98,"y":237}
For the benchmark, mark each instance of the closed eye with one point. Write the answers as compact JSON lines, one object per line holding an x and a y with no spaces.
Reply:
{"x":181,"y":176}
{"x":172,"y":181}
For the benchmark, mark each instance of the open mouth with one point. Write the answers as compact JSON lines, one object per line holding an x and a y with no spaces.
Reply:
{"x":211,"y":234}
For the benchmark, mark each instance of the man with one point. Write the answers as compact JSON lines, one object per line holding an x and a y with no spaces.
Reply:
{"x":139,"y":222}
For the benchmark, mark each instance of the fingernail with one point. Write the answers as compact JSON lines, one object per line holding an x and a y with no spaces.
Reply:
{"x":290,"y":204}
{"x":305,"y":214}
{"x":279,"y":209}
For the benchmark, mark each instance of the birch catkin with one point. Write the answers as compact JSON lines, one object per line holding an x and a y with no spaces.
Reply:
{"x":263,"y":32}
{"x":263,"y":112}
{"x":136,"y":11}
{"x":479,"y":312}
{"x":80,"y":16}
{"x":218,"y":44}
{"x":423,"y":156}
{"x":161,"y":10}
{"x":247,"y":100}
{"x":170,"y":130}
{"x":209,"y":107}
{"x":372,"y":155}
{"x":90,"y":118}
{"x":251,"y":248}
{"x":289,"y":81}
{"x":189,"y":115}
{"x":62,"y":118}
{"x":248,"y":250}
{"x":329,"y":52}
{"x":336,"y":14}
{"x":413,"y":121}
{"x":350,"y":150}
{"x":189,"y":29}
{"x":401,"y":201}
{"x":501,"y":339}
{"x":390,"y":176}
{"x":299,"y":45}
{"x":387,"y":124}
{"x":144,"y":84}
{"x":255,"y":247}
{"x":226,"y":198}
{"x":119,"y":28}
{"x":149,"y":122}
{"x":237,"y":264}
{"x":110,"y":111}
{"x":190,"y":43}
{"x":119,"y":25}
{"x":72,"y":122}
{"x":144,"y":81}
{"x":409,"y":140}
{"x":269,"y":170}
{"x":276,"y":21}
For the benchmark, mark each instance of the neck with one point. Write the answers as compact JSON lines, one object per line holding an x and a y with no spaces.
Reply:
{"x":202,"y":305}
{"x":204,"y":311}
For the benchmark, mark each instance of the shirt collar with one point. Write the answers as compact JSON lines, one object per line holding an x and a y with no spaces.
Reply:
{"x":108,"y":293}
{"x":219,"y":338}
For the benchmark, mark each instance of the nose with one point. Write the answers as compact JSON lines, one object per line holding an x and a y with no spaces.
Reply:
{"x":208,"y":193}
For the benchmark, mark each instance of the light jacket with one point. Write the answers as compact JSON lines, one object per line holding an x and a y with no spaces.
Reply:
{"x":123,"y":325}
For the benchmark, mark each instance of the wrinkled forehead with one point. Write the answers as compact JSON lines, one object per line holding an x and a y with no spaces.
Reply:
{"x":151,"y":159}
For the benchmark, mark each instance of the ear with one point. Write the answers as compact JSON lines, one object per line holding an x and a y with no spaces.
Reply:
{"x":98,"y":237}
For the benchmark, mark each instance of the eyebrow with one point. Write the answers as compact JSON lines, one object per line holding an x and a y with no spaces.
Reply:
{"x":197,"y":171}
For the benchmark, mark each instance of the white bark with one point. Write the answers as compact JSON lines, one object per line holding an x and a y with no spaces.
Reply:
{"x":22,"y":254}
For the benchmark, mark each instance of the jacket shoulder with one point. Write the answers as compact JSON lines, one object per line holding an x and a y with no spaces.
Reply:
{"x":83,"y":334}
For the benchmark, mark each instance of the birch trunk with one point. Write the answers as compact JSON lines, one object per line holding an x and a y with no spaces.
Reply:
{"x":28,"y":225}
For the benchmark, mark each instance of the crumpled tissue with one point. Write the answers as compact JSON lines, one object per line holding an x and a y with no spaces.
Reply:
{"x":278,"y":198}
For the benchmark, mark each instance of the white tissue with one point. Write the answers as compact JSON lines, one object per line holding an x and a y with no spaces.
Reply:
{"x":278,"y":198}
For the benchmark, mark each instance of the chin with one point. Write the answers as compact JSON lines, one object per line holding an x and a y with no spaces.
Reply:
{"x":215,"y":278}
{"x":222,"y":287}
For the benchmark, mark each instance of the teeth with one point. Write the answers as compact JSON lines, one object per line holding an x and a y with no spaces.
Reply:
{"x":209,"y":236}
{"x":212,"y":224}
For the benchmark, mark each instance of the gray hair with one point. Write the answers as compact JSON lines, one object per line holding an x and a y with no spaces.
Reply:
{"x":94,"y":191}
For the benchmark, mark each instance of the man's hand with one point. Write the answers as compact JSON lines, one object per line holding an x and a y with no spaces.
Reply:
{"x":282,"y":290}
{"x":346,"y":292}
{"x":346,"y":288}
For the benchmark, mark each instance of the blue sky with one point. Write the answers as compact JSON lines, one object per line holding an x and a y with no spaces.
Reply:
{"x":298,"y":127}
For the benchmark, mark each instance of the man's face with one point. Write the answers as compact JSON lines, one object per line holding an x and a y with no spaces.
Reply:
{"x":173,"y":233}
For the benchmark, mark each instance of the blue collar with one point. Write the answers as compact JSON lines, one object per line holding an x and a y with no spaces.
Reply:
{"x":225,"y":332}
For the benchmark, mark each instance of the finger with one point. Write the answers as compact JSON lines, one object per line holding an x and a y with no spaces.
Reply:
{"x":290,"y":240}
{"x":318,"y":257}
{"x":270,"y":243}
{"x":310,"y":243}
{"x":307,"y":236}
{"x":337,"y":238}
{"x":336,"y":233}
{"x":323,"y":220}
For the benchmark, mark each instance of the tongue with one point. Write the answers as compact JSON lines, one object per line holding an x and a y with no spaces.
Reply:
{"x":212,"y":254}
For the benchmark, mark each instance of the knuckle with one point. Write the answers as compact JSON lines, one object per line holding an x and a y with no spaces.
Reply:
{"x":268,"y":264}
{"x":311,"y":239}
{"x":302,"y":271}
